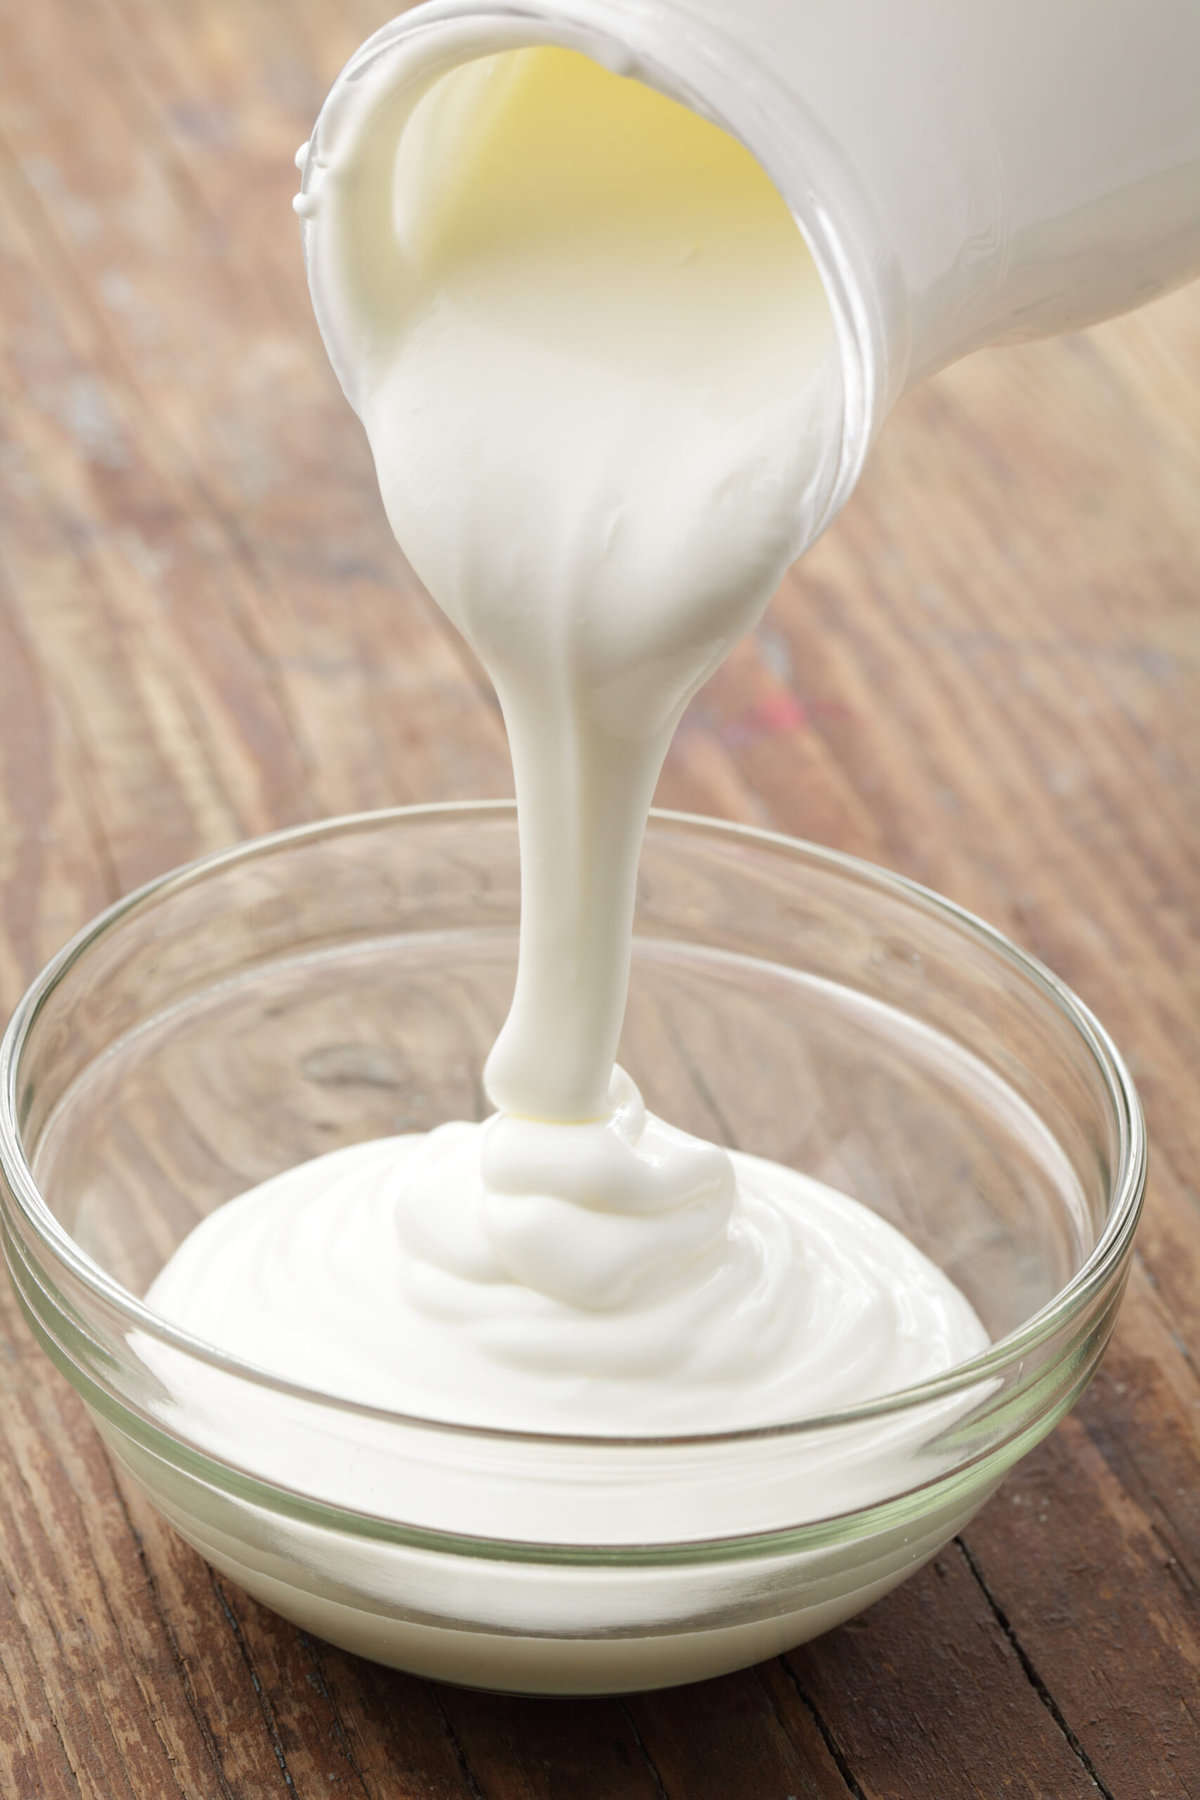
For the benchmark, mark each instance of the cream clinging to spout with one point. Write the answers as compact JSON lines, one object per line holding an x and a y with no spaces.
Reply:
{"x":600,"y":382}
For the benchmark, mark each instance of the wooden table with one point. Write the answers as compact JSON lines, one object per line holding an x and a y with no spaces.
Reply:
{"x":986,"y":676}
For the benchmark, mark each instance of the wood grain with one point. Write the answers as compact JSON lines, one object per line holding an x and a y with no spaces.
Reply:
{"x":986,"y":675}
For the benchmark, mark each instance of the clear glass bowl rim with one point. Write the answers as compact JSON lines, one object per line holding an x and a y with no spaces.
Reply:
{"x":1102,"y":1267}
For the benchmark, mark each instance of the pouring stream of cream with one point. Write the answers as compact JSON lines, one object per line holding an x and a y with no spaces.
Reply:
{"x":600,"y":382}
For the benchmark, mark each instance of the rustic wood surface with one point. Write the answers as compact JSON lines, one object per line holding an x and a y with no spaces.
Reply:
{"x":986,"y":676}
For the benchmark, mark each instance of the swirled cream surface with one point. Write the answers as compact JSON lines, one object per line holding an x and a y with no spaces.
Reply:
{"x":612,"y":1277}
{"x":600,"y":381}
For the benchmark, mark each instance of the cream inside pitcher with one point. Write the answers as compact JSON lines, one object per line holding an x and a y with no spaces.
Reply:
{"x":963,"y":174}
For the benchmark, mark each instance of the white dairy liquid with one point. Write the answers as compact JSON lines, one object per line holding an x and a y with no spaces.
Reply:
{"x":340,"y":1275}
{"x":599,"y":379}
{"x":599,"y":409}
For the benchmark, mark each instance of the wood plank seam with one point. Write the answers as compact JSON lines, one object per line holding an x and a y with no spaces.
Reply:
{"x":264,"y":1705}
{"x":1031,"y":1675}
{"x":840,"y":1760}
{"x":456,"y":1745}
{"x":313,"y":1647}
{"x":660,"y":1786}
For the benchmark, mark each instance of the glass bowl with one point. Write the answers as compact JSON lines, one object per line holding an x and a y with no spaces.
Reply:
{"x":344,"y":981}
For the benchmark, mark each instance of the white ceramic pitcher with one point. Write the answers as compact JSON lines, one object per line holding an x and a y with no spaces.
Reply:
{"x":964,"y":171}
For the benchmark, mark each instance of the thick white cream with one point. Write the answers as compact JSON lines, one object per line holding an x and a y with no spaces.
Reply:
{"x":599,"y":378}
{"x":398,"y":1274}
